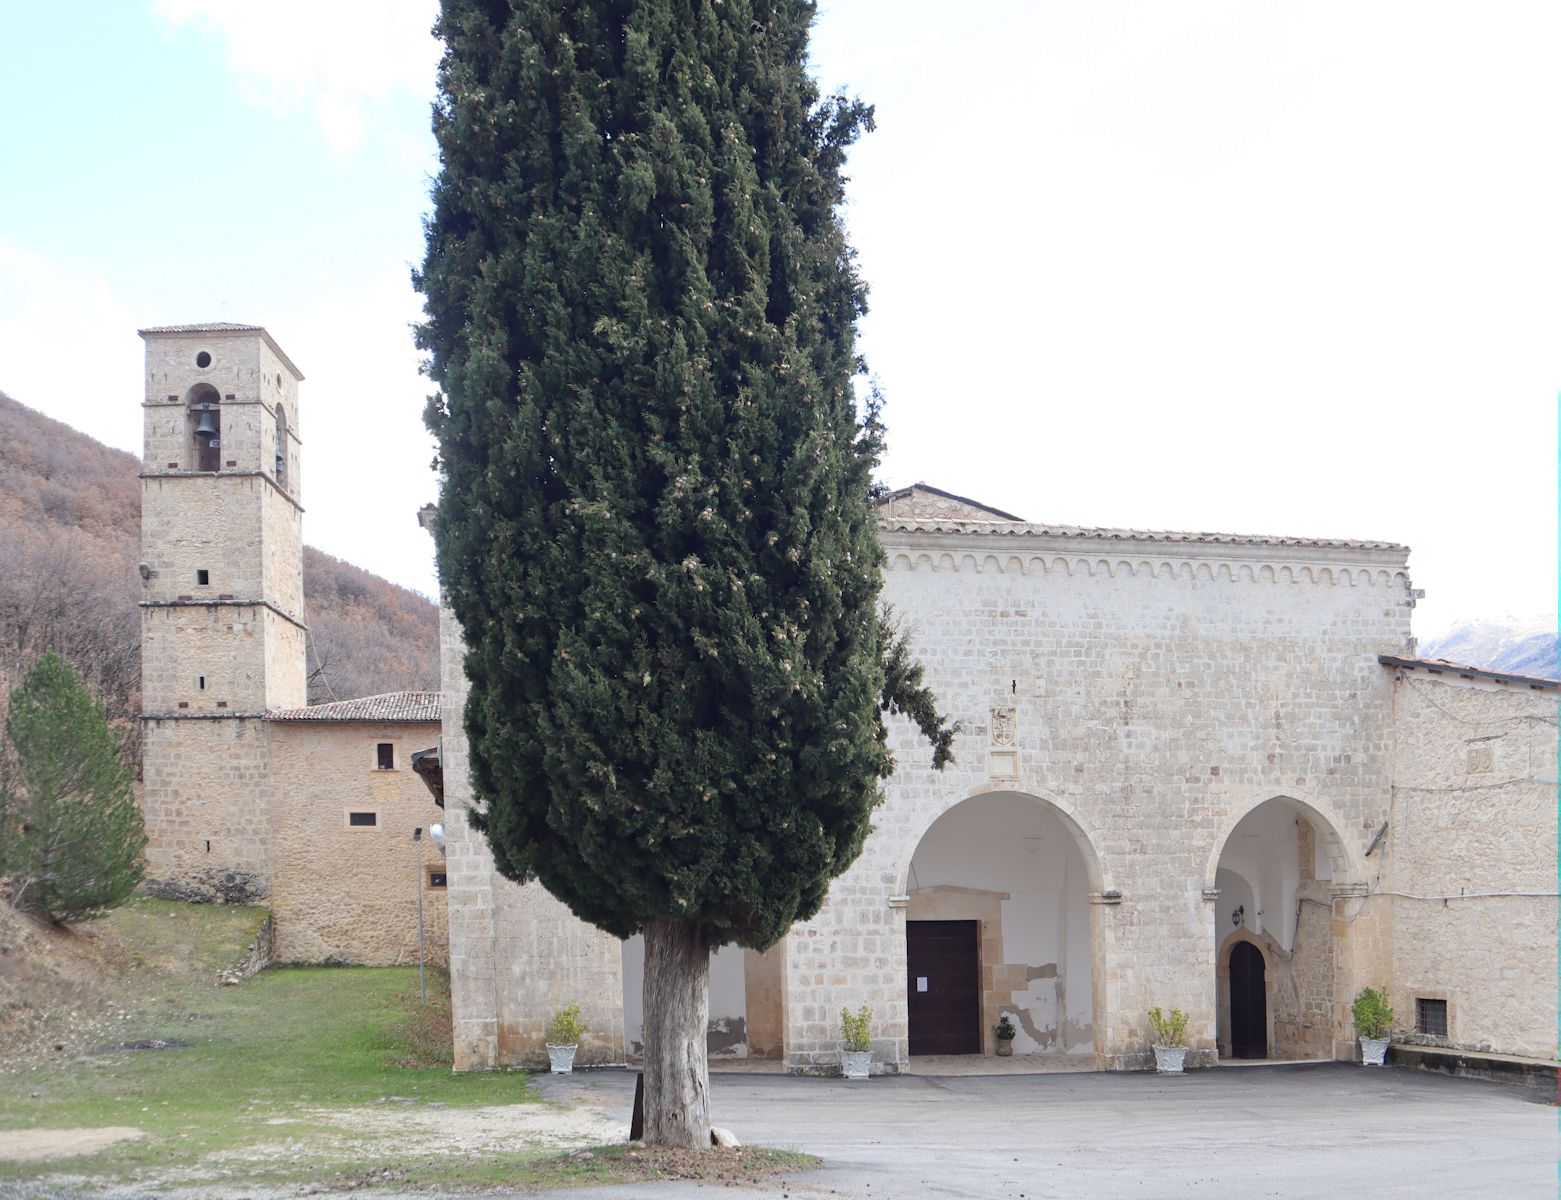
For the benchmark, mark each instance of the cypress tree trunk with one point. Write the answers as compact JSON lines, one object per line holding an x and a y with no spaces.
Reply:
{"x":677,"y":1016}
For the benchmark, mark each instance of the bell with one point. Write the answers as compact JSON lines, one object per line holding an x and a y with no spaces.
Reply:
{"x":208,"y":424}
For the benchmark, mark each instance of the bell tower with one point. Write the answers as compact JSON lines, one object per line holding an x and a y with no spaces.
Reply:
{"x":222,"y":610}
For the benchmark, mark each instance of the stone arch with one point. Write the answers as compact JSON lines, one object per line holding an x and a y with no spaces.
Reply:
{"x":1013,"y":880}
{"x":1324,"y":823}
{"x":1095,"y":861}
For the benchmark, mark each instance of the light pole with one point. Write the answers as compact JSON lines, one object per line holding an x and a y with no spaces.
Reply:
{"x":422,"y":978}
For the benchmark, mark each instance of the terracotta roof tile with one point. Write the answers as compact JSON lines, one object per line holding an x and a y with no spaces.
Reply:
{"x":392,"y":706}
{"x":203,"y":327}
{"x":1442,"y":666}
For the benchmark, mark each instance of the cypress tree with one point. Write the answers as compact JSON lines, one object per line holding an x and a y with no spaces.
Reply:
{"x":71,"y":833}
{"x":655,"y":525}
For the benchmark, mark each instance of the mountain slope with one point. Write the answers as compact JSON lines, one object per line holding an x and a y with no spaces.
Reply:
{"x":70,"y":529}
{"x":1524,"y":647}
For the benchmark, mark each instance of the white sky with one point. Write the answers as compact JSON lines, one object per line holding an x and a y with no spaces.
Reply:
{"x":1255,"y":267}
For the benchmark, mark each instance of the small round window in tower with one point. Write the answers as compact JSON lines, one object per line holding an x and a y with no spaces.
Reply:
{"x":203,"y":360}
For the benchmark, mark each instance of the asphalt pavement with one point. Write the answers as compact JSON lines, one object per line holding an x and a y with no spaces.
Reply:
{"x":1329,"y":1131}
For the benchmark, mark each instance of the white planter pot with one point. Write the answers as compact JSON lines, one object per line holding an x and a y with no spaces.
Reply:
{"x":1373,"y":1051}
{"x":1169,"y":1060}
{"x":855,"y":1064}
{"x":562,"y":1059}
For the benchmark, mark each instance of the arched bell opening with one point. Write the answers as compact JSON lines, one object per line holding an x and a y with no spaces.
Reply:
{"x":281,"y":446}
{"x":999,"y":923}
{"x":203,"y":428}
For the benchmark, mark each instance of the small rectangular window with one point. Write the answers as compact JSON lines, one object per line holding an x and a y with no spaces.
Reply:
{"x":436,"y":879}
{"x":200,"y":682}
{"x":1431,"y":1017}
{"x":387,"y":756}
{"x":203,"y":577}
{"x":362,"y":820}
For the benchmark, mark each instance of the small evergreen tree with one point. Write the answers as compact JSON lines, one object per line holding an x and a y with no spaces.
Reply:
{"x":71,"y":833}
{"x":655,"y":524}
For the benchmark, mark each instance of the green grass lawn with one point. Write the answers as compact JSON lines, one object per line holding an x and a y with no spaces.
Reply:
{"x":328,"y":1075}
{"x":285,"y":1044}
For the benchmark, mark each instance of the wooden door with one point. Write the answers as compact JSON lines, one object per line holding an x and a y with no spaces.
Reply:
{"x":944,"y":1005}
{"x":1248,"y":1003}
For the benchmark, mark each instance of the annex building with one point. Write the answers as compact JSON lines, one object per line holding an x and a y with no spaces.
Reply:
{"x":1196,"y":770}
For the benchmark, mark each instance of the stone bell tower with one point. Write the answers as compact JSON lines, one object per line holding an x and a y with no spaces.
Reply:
{"x":222,"y":610}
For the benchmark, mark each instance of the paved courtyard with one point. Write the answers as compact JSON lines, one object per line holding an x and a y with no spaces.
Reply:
{"x":1328,"y":1131}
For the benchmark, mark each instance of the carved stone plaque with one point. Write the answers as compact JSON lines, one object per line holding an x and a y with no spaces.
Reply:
{"x":1003,"y":727}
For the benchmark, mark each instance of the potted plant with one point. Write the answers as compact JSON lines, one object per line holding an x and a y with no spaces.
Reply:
{"x":563,"y":1038}
{"x":856,"y":1047}
{"x":1170,"y":1040}
{"x":1373,"y":1022}
{"x":1005,"y":1032}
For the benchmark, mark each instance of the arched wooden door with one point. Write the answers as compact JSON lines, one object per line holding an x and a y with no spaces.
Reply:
{"x":1248,"y":1003}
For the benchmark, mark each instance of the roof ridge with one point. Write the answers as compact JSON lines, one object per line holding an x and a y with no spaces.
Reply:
{"x":1120,"y":533}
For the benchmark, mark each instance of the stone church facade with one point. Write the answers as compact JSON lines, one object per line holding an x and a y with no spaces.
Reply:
{"x":1195,"y":770}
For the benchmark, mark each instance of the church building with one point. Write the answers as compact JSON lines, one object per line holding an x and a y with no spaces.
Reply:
{"x":1194,"y":770}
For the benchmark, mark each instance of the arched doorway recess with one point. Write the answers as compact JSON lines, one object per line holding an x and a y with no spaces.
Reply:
{"x":1274,"y":935}
{"x":1248,"y":1001}
{"x":999,"y":922}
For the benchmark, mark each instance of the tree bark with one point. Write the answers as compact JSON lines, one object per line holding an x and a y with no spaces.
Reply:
{"x":677,"y":1015}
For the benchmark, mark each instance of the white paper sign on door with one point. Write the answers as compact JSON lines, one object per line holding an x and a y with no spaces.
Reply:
{"x":921,"y":983}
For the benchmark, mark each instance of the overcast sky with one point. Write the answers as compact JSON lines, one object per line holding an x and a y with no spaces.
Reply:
{"x":1251,"y":267}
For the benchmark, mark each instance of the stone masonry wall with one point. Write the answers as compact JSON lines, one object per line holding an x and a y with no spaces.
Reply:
{"x":1151,"y":693}
{"x":1467,"y":870}
{"x":207,"y":808}
{"x":345,"y":894}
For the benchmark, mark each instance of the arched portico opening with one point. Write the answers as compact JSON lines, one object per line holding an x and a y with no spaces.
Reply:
{"x":999,"y":922}
{"x":746,"y":989}
{"x":1274,"y":931}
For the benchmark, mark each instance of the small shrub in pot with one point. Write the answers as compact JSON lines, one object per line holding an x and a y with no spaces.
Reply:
{"x":1170,"y":1040}
{"x":856,"y":1042}
{"x":1373,"y":1022}
{"x":563,"y":1038}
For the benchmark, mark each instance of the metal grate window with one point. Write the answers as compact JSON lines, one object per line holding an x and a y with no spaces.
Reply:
{"x":1431,"y":1017}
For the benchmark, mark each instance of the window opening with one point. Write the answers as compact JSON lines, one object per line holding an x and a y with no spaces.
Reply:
{"x":200,"y":682}
{"x":436,"y":879}
{"x":203,"y":577}
{"x":203,"y":360}
{"x":387,"y":756}
{"x":1431,"y":1016}
{"x":362,"y":820}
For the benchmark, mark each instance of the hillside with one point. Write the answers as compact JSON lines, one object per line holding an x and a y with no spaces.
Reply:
{"x":1524,"y":647}
{"x":70,"y":528}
